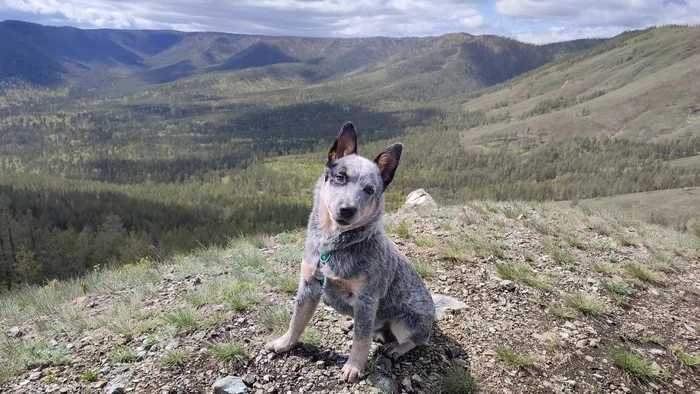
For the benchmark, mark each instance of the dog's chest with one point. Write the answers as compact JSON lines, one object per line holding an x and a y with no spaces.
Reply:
{"x":338,"y":283}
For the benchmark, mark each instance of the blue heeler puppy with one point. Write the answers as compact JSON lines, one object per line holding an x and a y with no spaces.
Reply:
{"x":350,"y":262}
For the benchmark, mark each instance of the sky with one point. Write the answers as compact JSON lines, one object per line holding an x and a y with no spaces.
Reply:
{"x":535,"y":21}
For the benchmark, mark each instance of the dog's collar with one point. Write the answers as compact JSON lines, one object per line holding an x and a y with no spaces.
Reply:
{"x":324,"y":257}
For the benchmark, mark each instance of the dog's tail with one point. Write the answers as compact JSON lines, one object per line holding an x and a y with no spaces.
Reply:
{"x":445,"y":303}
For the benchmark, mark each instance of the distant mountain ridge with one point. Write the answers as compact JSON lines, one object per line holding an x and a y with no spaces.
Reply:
{"x":46,"y":55}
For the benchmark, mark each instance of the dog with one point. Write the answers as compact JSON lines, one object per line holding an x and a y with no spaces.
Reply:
{"x":351,"y":263}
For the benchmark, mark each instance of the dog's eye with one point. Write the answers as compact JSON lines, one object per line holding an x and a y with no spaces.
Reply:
{"x":368,"y":190}
{"x":340,"y":178}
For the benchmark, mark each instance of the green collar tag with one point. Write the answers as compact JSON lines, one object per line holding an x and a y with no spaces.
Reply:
{"x":324,"y":258}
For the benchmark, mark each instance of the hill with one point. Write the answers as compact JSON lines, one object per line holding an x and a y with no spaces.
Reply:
{"x":41,"y":54}
{"x":559,"y":300}
{"x":675,"y":208}
{"x":641,"y":86}
{"x":198,"y":137}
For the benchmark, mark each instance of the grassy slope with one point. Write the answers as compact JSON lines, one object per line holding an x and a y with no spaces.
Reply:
{"x":651,"y":83}
{"x":605,"y":301}
{"x":674,"y":207}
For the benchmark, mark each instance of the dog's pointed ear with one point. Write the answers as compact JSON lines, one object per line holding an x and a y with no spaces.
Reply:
{"x":387,"y":161}
{"x":345,"y":144}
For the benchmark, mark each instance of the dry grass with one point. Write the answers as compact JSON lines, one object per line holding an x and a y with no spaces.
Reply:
{"x":588,"y":305}
{"x":514,"y":357}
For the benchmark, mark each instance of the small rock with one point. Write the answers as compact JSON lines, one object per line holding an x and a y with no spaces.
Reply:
{"x":416,"y":378}
{"x":99,"y":384}
{"x":16,"y":331}
{"x":589,"y":359}
{"x":230,"y":385}
{"x":250,"y":379}
{"x":267,"y":378}
{"x":172,"y":345}
{"x":115,"y":388}
{"x":347,"y":326}
{"x":320,"y":364}
{"x":406,"y":383}
{"x":384,"y":363}
{"x":383,"y":383}
{"x":657,"y":352}
{"x":34,"y":376}
{"x":508,"y":285}
{"x":570,"y":325}
{"x":678,"y":383}
{"x":581,"y":343}
{"x":571,"y":383}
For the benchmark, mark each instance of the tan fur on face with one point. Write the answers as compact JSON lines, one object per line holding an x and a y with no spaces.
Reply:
{"x":366,"y":213}
{"x":324,"y":210}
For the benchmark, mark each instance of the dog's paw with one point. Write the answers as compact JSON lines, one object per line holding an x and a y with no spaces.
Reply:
{"x":282,"y":344}
{"x":391,"y":350}
{"x":351,"y":372}
{"x":395,"y":350}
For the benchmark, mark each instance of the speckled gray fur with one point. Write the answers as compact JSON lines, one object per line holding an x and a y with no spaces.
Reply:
{"x":392,"y":295}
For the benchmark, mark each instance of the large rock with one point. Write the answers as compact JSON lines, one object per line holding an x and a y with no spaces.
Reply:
{"x":418,"y":198}
{"x":230,"y":385}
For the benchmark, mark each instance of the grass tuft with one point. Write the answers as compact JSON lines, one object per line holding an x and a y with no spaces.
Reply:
{"x":453,"y":251}
{"x":560,"y":254}
{"x":423,"y":268}
{"x":604,"y":268}
{"x":513,"y":357}
{"x":653,"y":338}
{"x":90,"y":375}
{"x":539,"y":225}
{"x":424,"y":241}
{"x":122,"y":354}
{"x":311,"y":336}
{"x":401,"y":230}
{"x":176,"y":358}
{"x":240,"y":295}
{"x":560,"y":311}
{"x":645,"y":274}
{"x":521,"y":273}
{"x":634,"y":364}
{"x":688,"y":360}
{"x":183,"y":319}
{"x":275,"y":318}
{"x":286,"y":282}
{"x":588,"y":305}
{"x":457,"y":380}
{"x":228,"y":351}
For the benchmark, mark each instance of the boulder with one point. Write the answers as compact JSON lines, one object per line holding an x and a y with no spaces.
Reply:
{"x":418,"y":198}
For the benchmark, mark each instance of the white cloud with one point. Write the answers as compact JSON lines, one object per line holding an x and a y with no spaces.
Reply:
{"x":571,"y":19}
{"x":621,"y":13}
{"x":558,"y":34}
{"x":472,"y":22}
{"x":529,"y":20}
{"x":297,"y":17}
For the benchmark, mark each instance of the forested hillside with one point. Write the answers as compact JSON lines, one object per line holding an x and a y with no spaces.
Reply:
{"x":169,"y":141}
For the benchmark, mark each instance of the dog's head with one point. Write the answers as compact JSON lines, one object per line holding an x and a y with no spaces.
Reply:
{"x":353,"y":185}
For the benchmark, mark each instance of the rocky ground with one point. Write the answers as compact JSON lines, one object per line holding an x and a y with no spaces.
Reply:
{"x":559,"y":300}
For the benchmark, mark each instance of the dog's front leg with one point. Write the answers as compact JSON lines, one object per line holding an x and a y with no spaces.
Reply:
{"x":305,"y":303}
{"x":365,"y":310}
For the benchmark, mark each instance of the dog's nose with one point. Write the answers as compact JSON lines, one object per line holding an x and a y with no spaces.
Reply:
{"x":347,"y":212}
